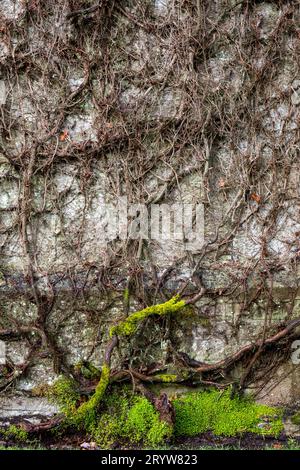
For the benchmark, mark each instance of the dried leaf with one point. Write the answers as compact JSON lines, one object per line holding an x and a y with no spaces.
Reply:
{"x":255,"y":197}
{"x":63,"y":135}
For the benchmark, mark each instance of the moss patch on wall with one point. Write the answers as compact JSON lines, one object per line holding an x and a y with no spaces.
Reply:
{"x":123,"y":417}
{"x":296,"y":418}
{"x":65,"y":394}
{"x":216,"y":411}
{"x":14,"y":433}
{"x":130,"y":419}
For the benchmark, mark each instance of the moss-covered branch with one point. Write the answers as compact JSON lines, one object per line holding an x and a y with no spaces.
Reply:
{"x":129,"y":326}
{"x":86,"y":413}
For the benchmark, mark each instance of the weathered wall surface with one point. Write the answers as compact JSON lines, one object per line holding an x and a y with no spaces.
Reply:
{"x":162,"y":101}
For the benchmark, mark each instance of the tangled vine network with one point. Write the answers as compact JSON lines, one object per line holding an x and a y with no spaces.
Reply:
{"x":200,"y":99}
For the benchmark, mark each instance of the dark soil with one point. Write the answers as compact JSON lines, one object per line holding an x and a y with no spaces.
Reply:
{"x":204,"y":441}
{"x":245,"y":441}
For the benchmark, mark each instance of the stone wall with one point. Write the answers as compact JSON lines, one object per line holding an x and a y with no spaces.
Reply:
{"x":160,"y":101}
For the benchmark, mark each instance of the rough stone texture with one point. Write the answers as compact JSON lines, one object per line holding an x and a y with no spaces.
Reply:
{"x":68,"y":196}
{"x":291,"y":429}
{"x":32,"y":409}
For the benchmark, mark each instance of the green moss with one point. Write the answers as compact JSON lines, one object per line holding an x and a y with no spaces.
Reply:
{"x":166,"y":378}
{"x":130,"y":419}
{"x":143,"y":424}
{"x":296,"y":418}
{"x":217,"y":412}
{"x":205,"y":322}
{"x":64,"y":393}
{"x":129,"y":326}
{"x":113,"y":415}
{"x":126,"y":295}
{"x":41,"y":390}
{"x":121,"y":416}
{"x":87,"y":370}
{"x":188,"y":311}
{"x":15,"y":433}
{"x":86,"y":414}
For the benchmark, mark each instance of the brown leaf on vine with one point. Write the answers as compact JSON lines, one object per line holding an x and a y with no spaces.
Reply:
{"x":63,"y":135}
{"x":255,"y":197}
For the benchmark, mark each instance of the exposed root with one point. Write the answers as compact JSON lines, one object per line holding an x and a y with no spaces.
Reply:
{"x":162,"y":404}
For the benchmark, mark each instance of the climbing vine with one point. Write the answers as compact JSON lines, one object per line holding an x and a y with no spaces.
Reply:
{"x":152,"y":103}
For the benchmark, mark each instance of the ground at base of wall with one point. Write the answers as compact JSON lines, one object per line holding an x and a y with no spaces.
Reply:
{"x":206,"y":441}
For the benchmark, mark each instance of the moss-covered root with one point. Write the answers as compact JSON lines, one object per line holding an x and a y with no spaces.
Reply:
{"x":129,"y":326}
{"x":86,"y":413}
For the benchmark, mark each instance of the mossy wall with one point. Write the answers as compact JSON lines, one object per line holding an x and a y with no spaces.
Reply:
{"x":163,"y":102}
